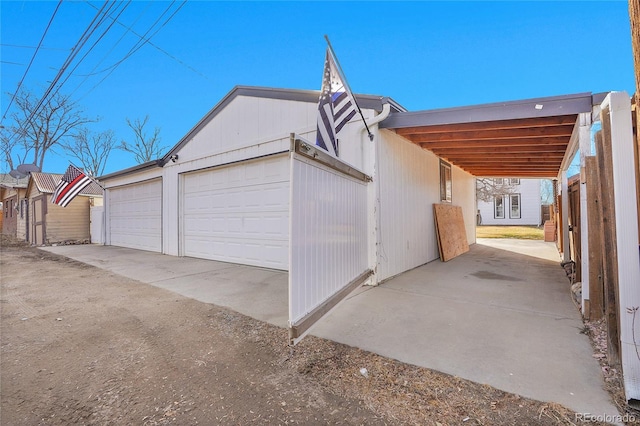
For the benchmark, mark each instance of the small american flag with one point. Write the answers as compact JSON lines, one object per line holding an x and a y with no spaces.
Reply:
{"x":335,"y":108}
{"x":71,"y":184}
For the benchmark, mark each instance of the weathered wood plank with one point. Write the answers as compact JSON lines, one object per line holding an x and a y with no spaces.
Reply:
{"x":596,"y":285}
{"x":606,"y":208}
{"x":452,"y":235}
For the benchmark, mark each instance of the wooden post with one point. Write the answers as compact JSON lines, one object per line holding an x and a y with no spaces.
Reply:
{"x":606,"y":208}
{"x":564,"y":219}
{"x":596,"y":289}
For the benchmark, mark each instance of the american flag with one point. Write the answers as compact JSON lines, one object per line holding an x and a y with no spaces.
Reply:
{"x":71,"y":184}
{"x":335,"y":108}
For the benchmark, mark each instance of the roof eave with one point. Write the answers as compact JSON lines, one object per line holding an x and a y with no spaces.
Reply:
{"x":529,"y":108}
{"x":134,"y":169}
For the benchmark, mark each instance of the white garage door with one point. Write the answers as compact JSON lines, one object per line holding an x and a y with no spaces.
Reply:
{"x":135,"y":216}
{"x":238,"y":213}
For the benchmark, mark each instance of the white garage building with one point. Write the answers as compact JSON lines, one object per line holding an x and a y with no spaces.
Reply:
{"x":247,"y":185}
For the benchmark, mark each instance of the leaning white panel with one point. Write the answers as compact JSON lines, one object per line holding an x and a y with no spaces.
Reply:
{"x":328,"y":240}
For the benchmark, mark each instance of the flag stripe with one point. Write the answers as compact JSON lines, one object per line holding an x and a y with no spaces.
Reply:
{"x":70,"y":185}
{"x":336,"y":107}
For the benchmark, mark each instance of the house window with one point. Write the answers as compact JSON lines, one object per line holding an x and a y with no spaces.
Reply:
{"x":514,"y":213}
{"x":498,"y":207}
{"x":445,"y":181}
{"x":498,"y":181}
{"x":514,"y":181}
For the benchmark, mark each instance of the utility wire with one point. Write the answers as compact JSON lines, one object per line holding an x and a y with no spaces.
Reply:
{"x":144,"y":40}
{"x":155,"y":46}
{"x":32,"y":59}
{"x":74,"y":52}
{"x":31,"y":47}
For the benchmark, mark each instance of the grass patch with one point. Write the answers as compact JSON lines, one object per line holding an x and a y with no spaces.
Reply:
{"x":516,"y":232}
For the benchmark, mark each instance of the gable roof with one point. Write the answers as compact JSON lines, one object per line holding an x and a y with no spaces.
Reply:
{"x":46,"y":183}
{"x":311,"y":96}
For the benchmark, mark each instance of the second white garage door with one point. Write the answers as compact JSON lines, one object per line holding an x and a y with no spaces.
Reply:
{"x":238,"y":213}
{"x":135,"y":215}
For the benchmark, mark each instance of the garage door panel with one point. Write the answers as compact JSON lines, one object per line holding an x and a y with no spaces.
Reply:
{"x":239,"y":213}
{"x":135,"y":216}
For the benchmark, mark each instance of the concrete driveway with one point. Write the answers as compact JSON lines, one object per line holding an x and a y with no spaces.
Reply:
{"x":493,"y":315}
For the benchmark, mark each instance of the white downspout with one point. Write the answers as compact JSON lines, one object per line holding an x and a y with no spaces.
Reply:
{"x":374,"y":196}
{"x":386,"y":110}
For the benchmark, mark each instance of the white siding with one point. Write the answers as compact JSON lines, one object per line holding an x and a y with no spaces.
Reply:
{"x":530,"y":202}
{"x":328,"y":235}
{"x":238,"y":213}
{"x":409,"y":185}
{"x":135,"y":215}
{"x":464,"y":195}
{"x":248,"y":121}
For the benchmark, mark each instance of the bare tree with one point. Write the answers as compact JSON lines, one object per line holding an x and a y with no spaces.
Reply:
{"x":145,"y":147}
{"x":38,"y":129}
{"x":91,"y":149}
{"x":489,"y":188}
{"x":9,"y":148}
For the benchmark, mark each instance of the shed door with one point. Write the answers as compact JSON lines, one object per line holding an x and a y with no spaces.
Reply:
{"x":135,"y":215}
{"x":238,"y":213}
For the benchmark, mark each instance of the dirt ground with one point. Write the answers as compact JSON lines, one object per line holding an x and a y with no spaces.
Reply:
{"x":82,"y":345}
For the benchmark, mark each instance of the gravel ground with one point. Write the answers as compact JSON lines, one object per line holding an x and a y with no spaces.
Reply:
{"x":81,"y":345}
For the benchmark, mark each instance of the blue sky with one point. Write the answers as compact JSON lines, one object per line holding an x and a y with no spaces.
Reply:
{"x":425,"y":55}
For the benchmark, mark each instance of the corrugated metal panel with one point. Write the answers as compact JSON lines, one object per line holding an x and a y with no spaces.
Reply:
{"x":46,"y":183}
{"x":328,"y":235}
{"x":626,"y":216}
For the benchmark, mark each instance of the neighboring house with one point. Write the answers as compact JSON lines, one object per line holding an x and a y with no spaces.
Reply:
{"x":522,"y":207}
{"x":248,"y":185}
{"x":12,"y":193}
{"x":48,"y":223}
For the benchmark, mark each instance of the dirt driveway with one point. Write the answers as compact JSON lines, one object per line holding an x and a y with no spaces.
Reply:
{"x":84,"y":346}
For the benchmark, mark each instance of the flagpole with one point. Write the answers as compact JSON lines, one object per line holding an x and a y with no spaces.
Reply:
{"x":344,"y":79}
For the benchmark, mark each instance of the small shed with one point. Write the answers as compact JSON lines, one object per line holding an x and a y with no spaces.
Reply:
{"x":48,"y":223}
{"x":12,"y":193}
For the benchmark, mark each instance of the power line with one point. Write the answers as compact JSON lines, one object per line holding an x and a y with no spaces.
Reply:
{"x":144,"y":40}
{"x":32,"y":59}
{"x":19,"y":46}
{"x":153,"y":45}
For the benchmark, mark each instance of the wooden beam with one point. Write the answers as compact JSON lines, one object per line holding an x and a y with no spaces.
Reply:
{"x":534,"y":132}
{"x":596,"y":283}
{"x":497,"y":150}
{"x":606,"y":208}
{"x":490,"y":125}
{"x":555,"y":140}
{"x":508,"y":156}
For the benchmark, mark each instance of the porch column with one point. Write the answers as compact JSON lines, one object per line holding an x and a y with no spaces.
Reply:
{"x":617,"y":127}
{"x":584,"y":137}
{"x":564,"y":183}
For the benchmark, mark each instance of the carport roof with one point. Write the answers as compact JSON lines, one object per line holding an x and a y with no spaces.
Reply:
{"x":526,"y":138}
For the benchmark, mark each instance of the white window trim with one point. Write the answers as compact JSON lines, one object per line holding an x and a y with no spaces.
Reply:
{"x":495,"y":207}
{"x":511,"y":215}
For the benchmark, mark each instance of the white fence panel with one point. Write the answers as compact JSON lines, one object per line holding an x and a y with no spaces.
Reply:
{"x":328,"y":238}
{"x":97,"y":224}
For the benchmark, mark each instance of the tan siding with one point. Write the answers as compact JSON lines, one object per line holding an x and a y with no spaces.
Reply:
{"x":68,"y":223}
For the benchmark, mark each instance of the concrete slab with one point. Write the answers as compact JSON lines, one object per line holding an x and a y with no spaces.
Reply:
{"x":493,"y":315}
{"x":257,"y":292}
